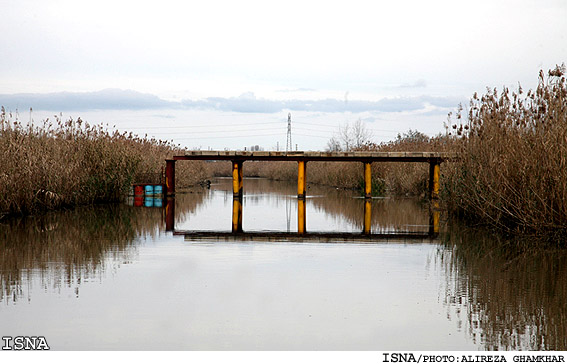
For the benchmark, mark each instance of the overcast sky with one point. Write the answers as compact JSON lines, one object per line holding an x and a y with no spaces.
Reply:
{"x":287,"y":50}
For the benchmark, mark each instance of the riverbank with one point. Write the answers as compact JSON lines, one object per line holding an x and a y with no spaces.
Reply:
{"x":69,"y":163}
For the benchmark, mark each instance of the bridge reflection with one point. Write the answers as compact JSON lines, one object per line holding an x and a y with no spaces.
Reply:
{"x":237,"y":233}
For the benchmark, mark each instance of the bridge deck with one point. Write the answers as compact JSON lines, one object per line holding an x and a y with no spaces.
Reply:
{"x":238,"y":157}
{"x":315,"y":156}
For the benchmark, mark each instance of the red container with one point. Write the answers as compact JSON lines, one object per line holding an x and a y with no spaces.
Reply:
{"x":138,"y":190}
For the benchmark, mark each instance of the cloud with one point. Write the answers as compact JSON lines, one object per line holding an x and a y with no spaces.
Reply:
{"x":114,"y":99}
{"x":250,"y":104}
{"x":300,"y":89}
{"x":107,"y":99}
{"x":421,"y":83}
{"x":246,"y":103}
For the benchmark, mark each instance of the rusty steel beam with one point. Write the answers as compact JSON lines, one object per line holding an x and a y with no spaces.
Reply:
{"x":170,"y":177}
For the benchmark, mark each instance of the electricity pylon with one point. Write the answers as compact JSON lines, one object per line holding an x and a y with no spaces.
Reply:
{"x":288,"y":144}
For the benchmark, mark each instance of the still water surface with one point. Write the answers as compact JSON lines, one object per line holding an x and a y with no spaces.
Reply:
{"x":111,"y":277}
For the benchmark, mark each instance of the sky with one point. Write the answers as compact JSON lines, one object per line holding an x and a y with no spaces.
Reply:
{"x":245,"y":65}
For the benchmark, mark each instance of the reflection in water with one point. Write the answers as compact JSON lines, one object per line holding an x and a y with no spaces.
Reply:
{"x":236,"y":215}
{"x":63,"y":248}
{"x":324,"y":209}
{"x":505,"y":296}
{"x":66,"y":248}
{"x":462,"y":290}
{"x":381,"y":216}
{"x":367,"y":216}
{"x":301,"y":216}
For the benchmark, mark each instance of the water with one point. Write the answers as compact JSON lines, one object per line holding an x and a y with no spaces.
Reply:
{"x":112,"y":277}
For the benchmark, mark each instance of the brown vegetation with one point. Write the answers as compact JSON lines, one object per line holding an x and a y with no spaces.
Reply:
{"x":336,"y":174}
{"x":511,"y":171}
{"x":512,"y":167}
{"x":68,"y":163}
{"x":391,"y":178}
{"x":410,"y":179}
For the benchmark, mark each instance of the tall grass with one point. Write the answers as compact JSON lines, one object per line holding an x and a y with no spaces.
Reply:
{"x":67,"y":163}
{"x":512,"y":167}
{"x":511,"y":171}
{"x":409,"y":179}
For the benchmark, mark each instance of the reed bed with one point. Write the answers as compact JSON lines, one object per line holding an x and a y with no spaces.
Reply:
{"x":409,"y":179}
{"x":511,"y":170}
{"x":278,"y":171}
{"x":67,"y":163}
{"x":512,"y":166}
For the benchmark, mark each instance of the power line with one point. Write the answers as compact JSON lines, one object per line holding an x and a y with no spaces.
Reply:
{"x":317,"y":130}
{"x":338,"y":126}
{"x":314,"y":136}
{"x":200,"y":126}
{"x":245,"y":124}
{"x":216,"y":131}
{"x":226,"y":136}
{"x":288,"y":144}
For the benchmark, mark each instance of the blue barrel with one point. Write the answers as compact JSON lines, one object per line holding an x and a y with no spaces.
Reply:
{"x":158,"y":190}
{"x":149,"y":202}
{"x":149,"y":190}
{"x":158,"y":202}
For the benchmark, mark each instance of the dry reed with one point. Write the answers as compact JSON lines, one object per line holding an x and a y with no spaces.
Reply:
{"x":512,"y":167}
{"x":68,"y":163}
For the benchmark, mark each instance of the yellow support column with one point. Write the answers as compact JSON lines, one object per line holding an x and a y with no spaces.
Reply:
{"x":434,"y":173}
{"x":301,"y":216}
{"x":367,"y":216}
{"x":237,"y":179}
{"x":301,"y":180}
{"x":367,"y":180}
{"x":236,"y":215}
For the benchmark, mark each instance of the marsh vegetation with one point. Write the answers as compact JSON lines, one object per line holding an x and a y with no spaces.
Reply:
{"x":512,"y":149}
{"x":511,"y":169}
{"x":63,"y":163}
{"x":510,"y":173}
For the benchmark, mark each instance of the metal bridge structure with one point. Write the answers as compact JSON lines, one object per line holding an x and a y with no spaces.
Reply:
{"x":434,"y":159}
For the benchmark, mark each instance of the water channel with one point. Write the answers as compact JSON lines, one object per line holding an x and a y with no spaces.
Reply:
{"x":111,"y":277}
